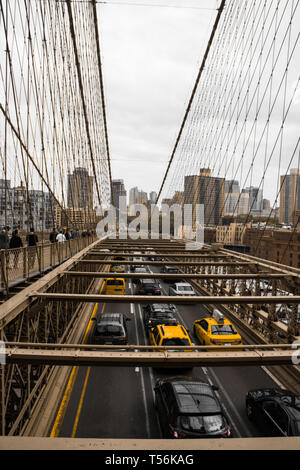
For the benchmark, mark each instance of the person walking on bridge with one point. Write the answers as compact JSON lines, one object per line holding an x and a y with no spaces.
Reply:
{"x":60,"y":238}
{"x":32,"y":241}
{"x":15,"y":243}
{"x":4,"y":239}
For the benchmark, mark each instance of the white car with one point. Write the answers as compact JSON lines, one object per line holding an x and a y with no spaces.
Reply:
{"x":181,"y":288}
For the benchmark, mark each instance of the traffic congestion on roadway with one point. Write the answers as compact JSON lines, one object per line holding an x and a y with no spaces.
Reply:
{"x":151,"y":403}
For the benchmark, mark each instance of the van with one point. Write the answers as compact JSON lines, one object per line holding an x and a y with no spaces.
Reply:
{"x":115,"y":286}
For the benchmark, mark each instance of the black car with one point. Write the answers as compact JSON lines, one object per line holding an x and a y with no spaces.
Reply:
{"x":275,"y":411}
{"x":139,"y":270}
{"x":148,"y":287}
{"x":110,"y":328}
{"x":189,"y":408}
{"x":170,"y":270}
{"x":159,"y":314}
{"x":133,"y":266}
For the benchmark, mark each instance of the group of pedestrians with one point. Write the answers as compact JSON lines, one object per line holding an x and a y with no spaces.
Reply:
{"x":15,"y":241}
{"x":63,"y":235}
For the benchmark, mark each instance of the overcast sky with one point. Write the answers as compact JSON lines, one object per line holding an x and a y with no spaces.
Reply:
{"x":150,"y":56}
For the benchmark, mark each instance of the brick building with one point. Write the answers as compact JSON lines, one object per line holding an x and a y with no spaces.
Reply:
{"x":280,"y":246}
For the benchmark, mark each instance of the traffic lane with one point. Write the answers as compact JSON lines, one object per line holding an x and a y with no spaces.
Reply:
{"x":233,"y":382}
{"x":183,"y":314}
{"x":109,"y":402}
{"x":147,"y":375}
{"x":153,"y":374}
{"x":123,"y":407}
{"x":113,"y":406}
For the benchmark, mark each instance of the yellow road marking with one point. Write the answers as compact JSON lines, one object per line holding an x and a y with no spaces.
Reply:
{"x":80,"y":403}
{"x":82,"y":395}
{"x":63,"y":406}
{"x":67,"y":395}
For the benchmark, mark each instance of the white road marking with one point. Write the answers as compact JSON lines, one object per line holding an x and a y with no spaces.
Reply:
{"x":142,"y":377}
{"x":280,"y":385}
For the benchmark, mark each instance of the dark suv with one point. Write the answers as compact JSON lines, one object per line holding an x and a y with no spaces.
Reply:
{"x":148,"y":287}
{"x":110,"y":328}
{"x":133,"y":266}
{"x":159,"y":314}
{"x":189,"y":409}
{"x":276,"y":412}
{"x":170,"y":270}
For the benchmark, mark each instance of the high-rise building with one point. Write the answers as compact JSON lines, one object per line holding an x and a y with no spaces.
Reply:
{"x":289,"y":211}
{"x":80,"y":189}
{"x":255,"y":199}
{"x":118,"y":190}
{"x":236,"y":203}
{"x":143,"y":197}
{"x":133,"y":195}
{"x":23,"y":209}
{"x":231,"y":186}
{"x":153,"y":197}
{"x":206,"y":190}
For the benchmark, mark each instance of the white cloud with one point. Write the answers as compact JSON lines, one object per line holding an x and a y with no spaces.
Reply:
{"x":150,"y":60}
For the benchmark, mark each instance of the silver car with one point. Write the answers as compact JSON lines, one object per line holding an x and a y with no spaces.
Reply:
{"x":181,"y":288}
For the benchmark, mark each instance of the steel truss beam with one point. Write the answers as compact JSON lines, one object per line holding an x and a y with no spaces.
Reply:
{"x":156,"y":358}
{"x":171,"y":263}
{"x":173,"y":276}
{"x":164,"y":255}
{"x":212,"y":300}
{"x":66,"y":443}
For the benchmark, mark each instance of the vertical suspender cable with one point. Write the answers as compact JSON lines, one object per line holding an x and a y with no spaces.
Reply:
{"x":220,"y":11}
{"x":94,"y":4}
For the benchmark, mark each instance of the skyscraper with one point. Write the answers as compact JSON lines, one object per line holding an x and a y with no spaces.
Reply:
{"x":153,"y":197}
{"x":232,"y":186}
{"x":118,"y":190}
{"x":133,"y":195}
{"x":255,"y":199}
{"x":206,"y":190}
{"x":143,"y":197}
{"x":289,"y":211}
{"x":80,"y":189}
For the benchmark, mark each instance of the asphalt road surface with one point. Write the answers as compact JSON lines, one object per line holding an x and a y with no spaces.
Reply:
{"x":118,"y":402}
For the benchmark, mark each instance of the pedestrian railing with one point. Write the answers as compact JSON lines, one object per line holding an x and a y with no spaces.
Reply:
{"x":19,"y":264}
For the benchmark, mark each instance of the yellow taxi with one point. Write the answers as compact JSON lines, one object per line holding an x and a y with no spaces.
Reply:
{"x":119,"y":258}
{"x":216,"y":330}
{"x":169,"y":335}
{"x":116,"y":268}
{"x":115,"y":286}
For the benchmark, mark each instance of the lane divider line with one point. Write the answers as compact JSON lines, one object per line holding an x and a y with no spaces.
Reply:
{"x":74,"y":430}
